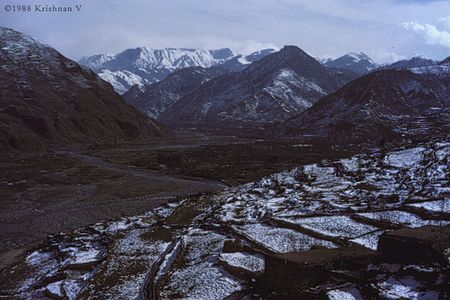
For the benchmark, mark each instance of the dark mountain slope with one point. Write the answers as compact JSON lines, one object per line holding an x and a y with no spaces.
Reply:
{"x":274,"y":88}
{"x":445,"y":61}
{"x":372,"y":106}
{"x":47,"y":99}
{"x":158,"y":97}
{"x":154,"y":99}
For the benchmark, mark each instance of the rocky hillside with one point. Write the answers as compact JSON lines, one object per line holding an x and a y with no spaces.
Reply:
{"x":47,"y":99}
{"x":382,"y":103}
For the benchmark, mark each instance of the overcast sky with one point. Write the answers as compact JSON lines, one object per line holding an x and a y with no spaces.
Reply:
{"x":386,"y":30}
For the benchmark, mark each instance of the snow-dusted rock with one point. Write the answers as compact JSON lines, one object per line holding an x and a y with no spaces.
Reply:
{"x":244,"y":262}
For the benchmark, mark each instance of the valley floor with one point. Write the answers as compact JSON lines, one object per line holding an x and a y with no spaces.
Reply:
{"x":324,"y":217}
{"x":64,"y":189}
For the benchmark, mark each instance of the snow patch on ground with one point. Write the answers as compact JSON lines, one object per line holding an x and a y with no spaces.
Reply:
{"x":405,"y":288}
{"x":250,"y":262}
{"x":398,"y":217}
{"x":281,"y":240}
{"x":335,"y":226}
{"x":434,"y":206}
{"x":345,"y":294}
{"x":369,"y":240}
{"x":200,"y":277}
{"x":405,"y":158}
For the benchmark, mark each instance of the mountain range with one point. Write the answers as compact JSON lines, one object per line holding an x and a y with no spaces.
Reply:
{"x":291,"y":89}
{"x":360,"y":63}
{"x":143,"y":66}
{"x":275,"y":88}
{"x":48,"y":99}
{"x":413,"y":62}
{"x":154,"y":99}
{"x":278,"y":83}
{"x":140,"y":66}
{"x":376,"y":105}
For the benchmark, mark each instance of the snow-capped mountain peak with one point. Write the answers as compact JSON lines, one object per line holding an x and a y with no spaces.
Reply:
{"x":255,"y":56}
{"x":259,"y":54}
{"x":95,"y":61}
{"x":143,"y":65}
{"x":357,"y":62}
{"x":169,"y":58}
{"x":323,"y":60}
{"x":358,"y":56}
{"x":272,"y":89}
